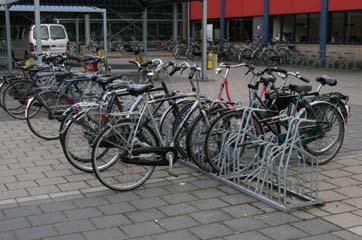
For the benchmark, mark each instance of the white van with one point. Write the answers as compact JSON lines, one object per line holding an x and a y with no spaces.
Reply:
{"x":54,"y":40}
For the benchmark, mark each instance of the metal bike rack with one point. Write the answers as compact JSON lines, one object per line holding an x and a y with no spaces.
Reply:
{"x":273,"y":171}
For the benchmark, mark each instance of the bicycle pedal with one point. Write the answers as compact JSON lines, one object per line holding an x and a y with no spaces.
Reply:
{"x":172,"y":174}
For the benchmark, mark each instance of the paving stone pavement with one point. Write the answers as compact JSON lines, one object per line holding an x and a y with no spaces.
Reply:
{"x":43,"y":197}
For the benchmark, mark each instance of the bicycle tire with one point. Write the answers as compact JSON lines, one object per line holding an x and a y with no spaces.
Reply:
{"x":42,"y":111}
{"x":110,"y":176}
{"x":326,"y":153}
{"x":195,"y":139}
{"x":223,"y":129}
{"x":76,"y":145}
{"x":15,"y":98}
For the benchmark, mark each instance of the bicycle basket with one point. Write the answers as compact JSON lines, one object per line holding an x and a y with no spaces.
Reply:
{"x":91,"y":66}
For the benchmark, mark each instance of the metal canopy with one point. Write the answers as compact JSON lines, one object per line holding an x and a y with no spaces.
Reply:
{"x":37,"y":8}
{"x":84,"y":6}
{"x":55,"y":8}
{"x":112,"y":3}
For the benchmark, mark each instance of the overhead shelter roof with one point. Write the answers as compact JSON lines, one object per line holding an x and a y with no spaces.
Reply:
{"x":130,"y":4}
{"x":55,"y":8}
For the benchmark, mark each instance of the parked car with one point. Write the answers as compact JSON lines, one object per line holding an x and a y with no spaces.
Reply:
{"x":54,"y":40}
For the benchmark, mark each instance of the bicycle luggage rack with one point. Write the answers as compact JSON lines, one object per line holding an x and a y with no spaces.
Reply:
{"x":271,"y":170}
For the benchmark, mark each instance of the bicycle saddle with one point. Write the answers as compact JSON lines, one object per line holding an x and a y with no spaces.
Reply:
{"x":326,"y":80}
{"x":300,"y":88}
{"x":138,"y":89}
{"x":8,"y":75}
{"x":267,"y":79}
{"x":107,"y":79}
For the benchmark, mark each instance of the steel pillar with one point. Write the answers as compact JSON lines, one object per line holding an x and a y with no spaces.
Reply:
{"x":222,"y":23}
{"x":144,"y":31}
{"x":87,"y":29}
{"x":175,"y":20}
{"x":105,"y":40}
{"x":37,"y":27}
{"x":8,"y":38}
{"x":77,"y":34}
{"x":204,"y":40}
{"x":188,"y":22}
{"x":266,"y":22}
{"x":323,"y":32}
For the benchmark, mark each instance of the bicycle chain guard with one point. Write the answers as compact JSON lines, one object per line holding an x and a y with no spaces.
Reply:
{"x":151,"y":156}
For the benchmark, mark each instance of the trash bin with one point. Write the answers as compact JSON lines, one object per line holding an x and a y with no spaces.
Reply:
{"x":99,"y":53}
{"x":138,"y":56}
{"x":82,"y":49}
{"x":209,"y":60}
{"x":212,"y":59}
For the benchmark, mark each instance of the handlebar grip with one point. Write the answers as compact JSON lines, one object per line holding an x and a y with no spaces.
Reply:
{"x":146,"y":64}
{"x":174,"y":70}
{"x":191,"y":76}
{"x":278,"y":70}
{"x":304,"y":79}
{"x":133,"y":62}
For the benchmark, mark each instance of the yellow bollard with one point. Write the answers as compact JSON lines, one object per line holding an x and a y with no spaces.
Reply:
{"x":215,"y":60}
{"x":138,"y":56}
{"x":100,"y":53}
{"x":81,"y":49}
{"x":209,"y":60}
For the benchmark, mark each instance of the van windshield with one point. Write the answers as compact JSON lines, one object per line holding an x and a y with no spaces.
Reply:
{"x":57,"y":32}
{"x":44,"y":33}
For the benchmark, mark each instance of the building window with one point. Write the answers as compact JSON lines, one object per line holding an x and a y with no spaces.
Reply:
{"x":277,"y":29}
{"x":301,"y":28}
{"x":337,"y":27}
{"x":288,"y":28}
{"x":314,"y":26}
{"x":354,"y":28}
{"x":240,"y":30}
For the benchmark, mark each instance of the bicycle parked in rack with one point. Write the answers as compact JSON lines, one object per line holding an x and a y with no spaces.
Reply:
{"x":121,"y":131}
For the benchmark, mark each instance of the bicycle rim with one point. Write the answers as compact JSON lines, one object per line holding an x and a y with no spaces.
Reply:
{"x":116,"y":174}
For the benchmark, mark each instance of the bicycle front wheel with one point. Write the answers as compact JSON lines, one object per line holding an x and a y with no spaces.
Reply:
{"x":119,"y":140}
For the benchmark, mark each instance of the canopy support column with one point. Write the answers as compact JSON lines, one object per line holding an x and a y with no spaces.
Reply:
{"x":204,"y":40}
{"x":8,"y":38}
{"x":266,"y":22}
{"x":105,"y":40}
{"x":145,"y":31}
{"x":222,"y":23}
{"x":323,"y":33}
{"x":175,"y":21}
{"x":37,"y":27}
{"x":188,"y":22}
{"x":77,"y":34}
{"x":87,"y":29}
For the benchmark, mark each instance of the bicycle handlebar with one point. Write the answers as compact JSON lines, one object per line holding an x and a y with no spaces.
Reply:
{"x":296,"y":75}
{"x":227,"y":65}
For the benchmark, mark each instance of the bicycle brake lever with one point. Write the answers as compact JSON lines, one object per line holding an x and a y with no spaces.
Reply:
{"x":248,"y":72}
{"x":183,"y":69}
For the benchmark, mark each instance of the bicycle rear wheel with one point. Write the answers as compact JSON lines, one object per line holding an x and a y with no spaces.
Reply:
{"x":76,"y":141}
{"x":222,"y":139}
{"x":330,"y":132}
{"x":195,"y":140}
{"x":109,"y":168}
{"x":42,"y":113}
{"x":15,"y":97}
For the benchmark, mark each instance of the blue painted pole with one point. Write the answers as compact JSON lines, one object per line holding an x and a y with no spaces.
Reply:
{"x":222,"y":23}
{"x":266,"y":22}
{"x":323,"y":32}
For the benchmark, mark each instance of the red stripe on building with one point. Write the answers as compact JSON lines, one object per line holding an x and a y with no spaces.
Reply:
{"x":249,"y":8}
